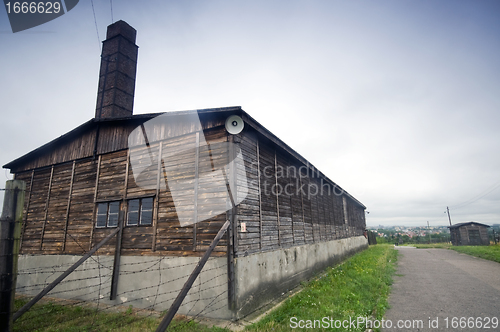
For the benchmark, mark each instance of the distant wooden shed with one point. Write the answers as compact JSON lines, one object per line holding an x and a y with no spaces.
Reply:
{"x":469,"y":234}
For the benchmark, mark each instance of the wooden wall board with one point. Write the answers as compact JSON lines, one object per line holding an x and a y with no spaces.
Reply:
{"x":273,"y":218}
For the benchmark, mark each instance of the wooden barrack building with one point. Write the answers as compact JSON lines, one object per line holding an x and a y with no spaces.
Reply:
{"x":82,"y":185}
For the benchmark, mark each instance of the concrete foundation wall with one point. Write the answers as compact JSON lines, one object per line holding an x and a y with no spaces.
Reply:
{"x":153,"y":282}
{"x":145,"y":281}
{"x":262,"y":277}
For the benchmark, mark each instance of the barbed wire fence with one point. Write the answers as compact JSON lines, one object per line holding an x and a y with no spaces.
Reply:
{"x":90,"y":284}
{"x":148,"y":284}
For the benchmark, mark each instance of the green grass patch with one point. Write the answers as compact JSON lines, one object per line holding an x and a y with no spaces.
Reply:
{"x":491,"y":252}
{"x":68,"y":318}
{"x":446,"y":245}
{"x":357,"y":288}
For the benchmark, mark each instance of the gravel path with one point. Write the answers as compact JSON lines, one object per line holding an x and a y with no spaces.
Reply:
{"x":435,"y":288}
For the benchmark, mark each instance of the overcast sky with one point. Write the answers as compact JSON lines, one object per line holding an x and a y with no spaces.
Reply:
{"x":396,"y":101}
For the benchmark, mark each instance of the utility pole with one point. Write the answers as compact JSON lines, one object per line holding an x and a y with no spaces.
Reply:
{"x":449,"y":218}
{"x":429,"y":231}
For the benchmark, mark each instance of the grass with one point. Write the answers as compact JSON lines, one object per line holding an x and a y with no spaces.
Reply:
{"x":66,"y":318}
{"x":446,"y":245}
{"x":357,"y":288}
{"x":491,"y":252}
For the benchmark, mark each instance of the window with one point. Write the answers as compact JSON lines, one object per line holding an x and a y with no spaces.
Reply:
{"x":140,"y":212}
{"x":107,"y":214}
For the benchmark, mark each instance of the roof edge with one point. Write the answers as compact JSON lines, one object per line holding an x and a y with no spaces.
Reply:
{"x":467,"y":223}
{"x":34,"y":152}
{"x":84,"y":126}
{"x":269,"y":135}
{"x":246,"y":118}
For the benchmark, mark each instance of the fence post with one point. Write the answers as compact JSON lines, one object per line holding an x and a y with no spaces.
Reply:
{"x":66,"y":273}
{"x":10,"y":233}
{"x":187,"y":285}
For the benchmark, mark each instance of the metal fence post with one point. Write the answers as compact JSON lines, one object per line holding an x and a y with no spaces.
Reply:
{"x":187,"y":285}
{"x":10,"y":233}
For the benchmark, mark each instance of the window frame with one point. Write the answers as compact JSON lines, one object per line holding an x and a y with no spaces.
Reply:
{"x":140,"y":212}
{"x":109,"y":205}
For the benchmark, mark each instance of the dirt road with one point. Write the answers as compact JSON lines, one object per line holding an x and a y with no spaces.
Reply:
{"x":435,"y":288}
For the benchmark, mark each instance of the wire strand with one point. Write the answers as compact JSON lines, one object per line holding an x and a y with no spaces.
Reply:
{"x":111,"y":4}
{"x":96,"y":28}
{"x":477,"y":197}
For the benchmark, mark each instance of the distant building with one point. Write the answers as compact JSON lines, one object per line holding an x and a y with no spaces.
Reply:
{"x":469,"y":234}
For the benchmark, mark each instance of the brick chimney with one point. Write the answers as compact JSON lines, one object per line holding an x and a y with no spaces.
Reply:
{"x":115,"y":95}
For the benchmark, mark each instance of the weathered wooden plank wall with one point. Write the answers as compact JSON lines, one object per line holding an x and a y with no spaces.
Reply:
{"x":249,"y":210}
{"x":178,"y":165}
{"x":283,"y":200}
{"x":60,"y":209}
{"x":81,"y":212}
{"x":211,"y":194}
{"x":36,"y":207}
{"x":288,"y":204}
{"x":269,"y":202}
{"x":28,"y":178}
{"x":57,"y":199}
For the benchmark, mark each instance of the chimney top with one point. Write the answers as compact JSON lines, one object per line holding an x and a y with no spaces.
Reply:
{"x":121,"y":28}
{"x":115,"y":93}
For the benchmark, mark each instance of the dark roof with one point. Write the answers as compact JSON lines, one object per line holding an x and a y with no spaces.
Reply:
{"x":84,"y":127}
{"x":467,"y":223}
{"x":92,"y":123}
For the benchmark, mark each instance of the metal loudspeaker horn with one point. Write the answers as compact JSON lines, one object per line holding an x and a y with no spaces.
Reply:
{"x":234,"y":124}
